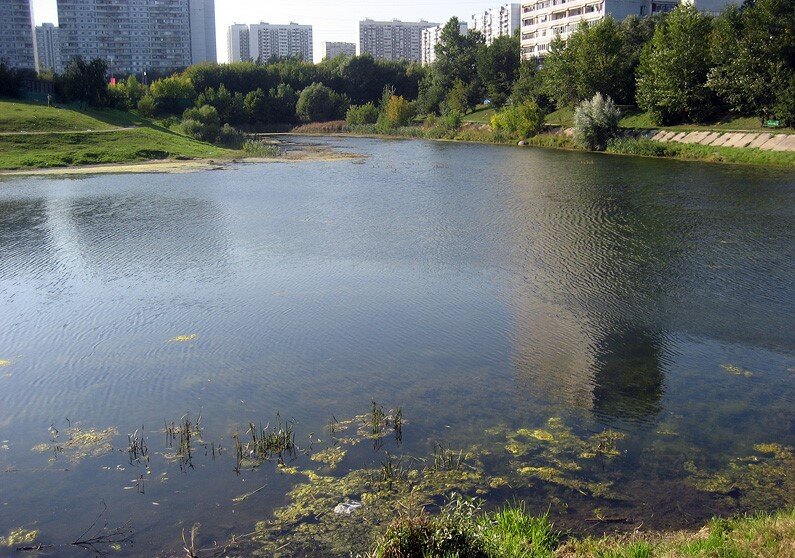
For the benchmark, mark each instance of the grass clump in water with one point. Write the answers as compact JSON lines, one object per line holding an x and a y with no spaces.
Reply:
{"x":79,"y":443}
{"x":258,"y":148}
{"x":264,"y":443}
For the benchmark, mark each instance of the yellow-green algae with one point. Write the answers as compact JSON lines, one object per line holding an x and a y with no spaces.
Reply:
{"x":756,"y":481}
{"x":183,"y":338}
{"x":4,"y":363}
{"x":19,"y":537}
{"x":736,"y":370}
{"x":330,"y":456}
{"x":80,"y":443}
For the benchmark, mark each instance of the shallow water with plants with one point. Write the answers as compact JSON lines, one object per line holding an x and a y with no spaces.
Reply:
{"x":292,"y":354}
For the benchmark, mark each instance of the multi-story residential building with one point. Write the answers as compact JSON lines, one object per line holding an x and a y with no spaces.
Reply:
{"x":392,"y":40}
{"x":237,"y":47}
{"x":498,"y":22}
{"x":140,"y":35}
{"x":17,"y":42}
{"x":543,"y":20}
{"x":332,"y":49}
{"x":267,"y":41}
{"x":48,"y":47}
{"x":431,"y":37}
{"x":202,"y":31}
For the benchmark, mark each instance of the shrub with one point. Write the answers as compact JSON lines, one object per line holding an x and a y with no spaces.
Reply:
{"x":202,"y":124}
{"x":318,"y":103}
{"x":172,"y":95}
{"x":257,"y":148}
{"x":362,"y":114}
{"x":596,"y":122}
{"x":146,"y":106}
{"x":230,"y":137}
{"x":396,"y":112}
{"x":518,"y":121}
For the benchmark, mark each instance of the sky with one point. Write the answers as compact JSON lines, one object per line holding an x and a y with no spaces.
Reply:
{"x":331,"y":20}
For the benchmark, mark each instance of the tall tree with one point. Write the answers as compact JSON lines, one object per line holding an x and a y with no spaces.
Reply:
{"x":672,"y":76}
{"x":498,"y":68}
{"x":86,"y":82}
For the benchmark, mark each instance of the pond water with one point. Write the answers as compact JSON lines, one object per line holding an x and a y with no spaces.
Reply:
{"x":603,"y":337}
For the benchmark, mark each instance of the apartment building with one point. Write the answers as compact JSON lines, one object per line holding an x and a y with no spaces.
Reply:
{"x":17,"y":41}
{"x":498,"y":22}
{"x":392,"y":40}
{"x":543,"y":20}
{"x":334,"y":49}
{"x":48,"y":47}
{"x":138,"y":35}
{"x":431,"y":37}
{"x":263,"y":41}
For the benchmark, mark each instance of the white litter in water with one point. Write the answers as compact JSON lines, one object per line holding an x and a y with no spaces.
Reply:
{"x":347,"y":508}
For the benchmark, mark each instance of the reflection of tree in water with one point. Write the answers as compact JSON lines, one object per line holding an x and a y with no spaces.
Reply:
{"x":628,"y":379}
{"x":24,"y":240}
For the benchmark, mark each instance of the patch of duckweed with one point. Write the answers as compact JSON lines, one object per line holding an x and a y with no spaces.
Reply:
{"x":331,"y":456}
{"x":183,"y":338}
{"x":762,"y":480}
{"x":79,"y":444}
{"x":736,"y":370}
{"x":19,"y":537}
{"x":4,"y":363}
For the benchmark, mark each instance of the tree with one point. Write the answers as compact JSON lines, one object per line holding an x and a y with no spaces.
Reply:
{"x":457,"y":100}
{"x":672,"y":75}
{"x":10,"y":81}
{"x":396,"y":111}
{"x":527,"y":86}
{"x":593,"y":60}
{"x":202,"y":123}
{"x":318,"y":103}
{"x":257,"y":106}
{"x":498,"y":68}
{"x":86,"y":82}
{"x":518,"y":121}
{"x":596,"y":122}
{"x":753,"y":49}
{"x":172,"y":95}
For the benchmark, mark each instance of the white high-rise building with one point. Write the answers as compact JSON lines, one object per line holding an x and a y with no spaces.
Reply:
{"x":266,"y":41}
{"x":17,"y":41}
{"x":136,"y":36}
{"x":334,"y":49}
{"x":48,"y":47}
{"x":202,"y":31}
{"x":392,"y":40}
{"x":543,"y":20}
{"x":498,"y":22}
{"x":431,"y":37}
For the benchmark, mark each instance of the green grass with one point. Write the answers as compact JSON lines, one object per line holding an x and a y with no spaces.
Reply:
{"x":31,"y":151}
{"x":481,"y":115}
{"x":461,"y":530}
{"x":695,"y":152}
{"x":562,"y":117}
{"x":37,"y":136}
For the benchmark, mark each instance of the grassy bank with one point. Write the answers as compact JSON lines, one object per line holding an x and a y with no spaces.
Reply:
{"x":36,"y":136}
{"x":462,"y":530}
{"x":638,"y":147}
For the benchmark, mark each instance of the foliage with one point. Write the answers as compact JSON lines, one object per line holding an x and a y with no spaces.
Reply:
{"x":695,"y":152}
{"x":753,"y":49}
{"x":596,"y":122}
{"x":230,"y":137}
{"x":85,"y":82}
{"x":230,"y":107}
{"x":456,"y":60}
{"x":146,"y":106}
{"x":11,"y":80}
{"x":672,"y":75}
{"x":172,"y":95}
{"x":128,"y":93}
{"x":362,"y":114}
{"x":457,"y":100}
{"x":202,"y":124}
{"x":257,"y":148}
{"x":318,"y":103}
{"x":518,"y":121}
{"x":396,"y":112}
{"x":498,"y":68}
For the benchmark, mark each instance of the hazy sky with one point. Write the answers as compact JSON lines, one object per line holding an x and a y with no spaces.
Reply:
{"x":331,"y":20}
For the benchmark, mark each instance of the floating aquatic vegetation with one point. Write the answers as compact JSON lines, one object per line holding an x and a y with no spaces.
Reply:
{"x":736,"y":370}
{"x":4,"y":363}
{"x":330,"y":456}
{"x":19,"y":537}
{"x":183,"y":338}
{"x":265,"y":442}
{"x":763,"y":480}
{"x":79,"y":443}
{"x":375,"y":425}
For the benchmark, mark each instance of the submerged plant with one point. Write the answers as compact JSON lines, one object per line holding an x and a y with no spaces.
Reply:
{"x":183,"y":437}
{"x":79,"y":443}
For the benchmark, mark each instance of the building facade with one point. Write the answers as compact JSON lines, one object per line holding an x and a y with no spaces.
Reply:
{"x":17,"y":41}
{"x":392,"y":40}
{"x":543,"y":20}
{"x":263,"y":41}
{"x":498,"y":22}
{"x":48,"y":47}
{"x":333,"y":49}
{"x":202,"y":31}
{"x":431,"y":37}
{"x":138,"y":35}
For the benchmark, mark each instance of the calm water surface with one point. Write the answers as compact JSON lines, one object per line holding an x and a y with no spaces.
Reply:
{"x":476,"y":287}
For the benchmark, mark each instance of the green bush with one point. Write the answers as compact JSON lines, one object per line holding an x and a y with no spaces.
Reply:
{"x":362,"y":114}
{"x":203,"y":123}
{"x":318,"y":103}
{"x":396,"y":112}
{"x":518,"y":121}
{"x":257,"y":148}
{"x":596,"y":122}
{"x":146,"y":106}
{"x":230,"y":137}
